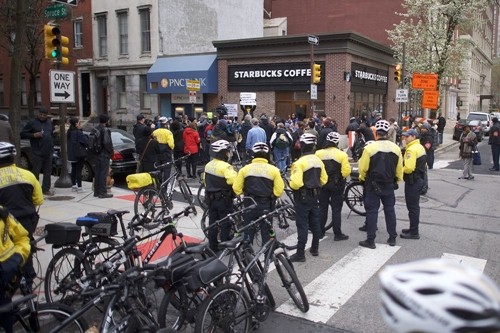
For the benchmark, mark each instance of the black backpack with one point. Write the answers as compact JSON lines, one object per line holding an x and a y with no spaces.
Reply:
{"x":95,"y":141}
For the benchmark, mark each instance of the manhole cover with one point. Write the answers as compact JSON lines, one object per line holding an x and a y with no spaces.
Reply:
{"x":60,"y":198}
{"x":402,"y":199}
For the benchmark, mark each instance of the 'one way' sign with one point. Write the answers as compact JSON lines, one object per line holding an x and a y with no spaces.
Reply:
{"x":62,"y":86}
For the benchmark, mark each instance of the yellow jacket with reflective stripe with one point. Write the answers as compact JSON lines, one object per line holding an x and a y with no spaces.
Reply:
{"x":336,"y":162}
{"x":17,"y":240}
{"x":219,"y":176}
{"x":164,"y":136}
{"x":382,"y":161}
{"x":259,"y":179}
{"x":414,"y":158}
{"x":309,"y":172}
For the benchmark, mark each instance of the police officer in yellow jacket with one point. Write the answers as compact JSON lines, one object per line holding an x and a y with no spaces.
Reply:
{"x":261,"y":181}
{"x":166,"y":144}
{"x":414,"y":165}
{"x":332,"y":193}
{"x":219,"y":178}
{"x":380,"y":167}
{"x":308,"y":174}
{"x":14,"y":250}
{"x":20,"y":193}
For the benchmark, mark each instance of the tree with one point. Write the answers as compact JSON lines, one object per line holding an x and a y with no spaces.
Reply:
{"x":495,"y":83}
{"x":429,"y":31}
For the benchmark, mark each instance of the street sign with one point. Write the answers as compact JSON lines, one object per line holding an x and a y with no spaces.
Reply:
{"x":62,"y":86}
{"x":401,"y":95}
{"x":192,"y":97}
{"x":424,"y":81}
{"x":56,"y":11}
{"x":67,"y":2}
{"x":430,"y":99}
{"x":247,"y":98}
{"x":193,"y":85}
{"x":313,"y":40}
{"x":314,"y":91}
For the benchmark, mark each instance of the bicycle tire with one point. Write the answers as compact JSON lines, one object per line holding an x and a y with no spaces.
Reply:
{"x":148,"y":204}
{"x":289,"y":278}
{"x":201,"y":197}
{"x":354,"y":197}
{"x":186,"y":192}
{"x":139,"y":322}
{"x":105,"y":247}
{"x":255,"y":273}
{"x":62,"y":273}
{"x":174,"y":308}
{"x":284,"y":233}
{"x":226,"y":309}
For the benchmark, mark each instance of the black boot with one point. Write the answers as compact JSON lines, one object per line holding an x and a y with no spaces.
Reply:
{"x":298,"y":256}
{"x":369,"y":243}
{"x":314,"y":251}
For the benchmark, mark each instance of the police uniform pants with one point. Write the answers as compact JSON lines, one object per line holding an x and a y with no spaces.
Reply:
{"x":412,"y":198}
{"x":217,"y":209}
{"x":307,"y":217}
{"x":332,"y":195}
{"x":372,"y":205}
{"x":263,"y":206}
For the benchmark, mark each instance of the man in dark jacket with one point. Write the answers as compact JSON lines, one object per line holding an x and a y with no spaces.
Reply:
{"x":352,"y":127}
{"x":40,"y":131}
{"x":139,"y":132}
{"x":327,"y":128}
{"x":440,"y":127}
{"x":102,"y":159}
{"x":494,"y":141}
{"x":268,"y":128}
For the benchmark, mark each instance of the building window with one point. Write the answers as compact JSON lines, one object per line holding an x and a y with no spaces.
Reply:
{"x":123,"y":32}
{"x":24,"y":94}
{"x":102,"y":35}
{"x":122,"y":93}
{"x":145,"y":97}
{"x":145,"y":30}
{"x":78,"y":33}
{"x":2,"y":100}
{"x":38,"y":89}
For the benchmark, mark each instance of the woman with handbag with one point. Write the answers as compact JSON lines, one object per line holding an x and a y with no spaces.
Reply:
{"x":468,"y":142}
{"x":77,"y":152}
{"x":150,"y":151}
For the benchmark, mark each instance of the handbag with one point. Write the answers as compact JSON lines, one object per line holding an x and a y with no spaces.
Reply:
{"x":80,"y":150}
{"x":476,"y":157}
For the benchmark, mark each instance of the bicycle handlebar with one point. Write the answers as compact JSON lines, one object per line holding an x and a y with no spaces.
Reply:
{"x":231,"y":215}
{"x":263,"y":218}
{"x":164,"y":165}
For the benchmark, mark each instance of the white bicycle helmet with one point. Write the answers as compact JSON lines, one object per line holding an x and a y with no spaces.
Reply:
{"x":260,"y":147}
{"x":439,"y":296}
{"x":308,"y":139}
{"x":220,"y":145}
{"x":382,"y":125}
{"x":7,"y":149}
{"x":333,"y":137}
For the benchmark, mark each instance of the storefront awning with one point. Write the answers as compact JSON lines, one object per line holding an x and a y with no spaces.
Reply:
{"x":169,"y":74}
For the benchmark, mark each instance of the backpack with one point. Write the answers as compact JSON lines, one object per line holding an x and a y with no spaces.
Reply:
{"x":95,"y":141}
{"x":281,"y":141}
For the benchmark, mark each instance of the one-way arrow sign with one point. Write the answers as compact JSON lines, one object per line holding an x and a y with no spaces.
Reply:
{"x":68,"y":2}
{"x":62,"y":86}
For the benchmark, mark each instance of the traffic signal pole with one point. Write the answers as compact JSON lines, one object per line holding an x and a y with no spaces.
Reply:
{"x":312,"y":78}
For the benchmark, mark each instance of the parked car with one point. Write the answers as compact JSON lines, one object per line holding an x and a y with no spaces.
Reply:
{"x":475,"y":126}
{"x":485,"y":119}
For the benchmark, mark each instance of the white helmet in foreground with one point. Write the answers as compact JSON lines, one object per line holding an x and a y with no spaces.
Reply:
{"x":308,"y":139}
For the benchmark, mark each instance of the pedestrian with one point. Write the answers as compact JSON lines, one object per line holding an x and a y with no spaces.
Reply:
{"x":281,"y":141}
{"x":393,"y":130}
{"x":325,"y":129}
{"x":296,"y":148}
{"x":255,"y":134}
{"x":494,"y":141}
{"x":338,"y":168}
{"x":40,"y":132}
{"x":102,"y":159}
{"x":307,"y":176}
{"x":20,"y":194}
{"x":150,"y":151}
{"x":191,"y":139}
{"x":267,"y":127}
{"x":219,"y":178}
{"x":14,"y":251}
{"x":263,"y":183}
{"x":427,"y":140}
{"x":458,"y":116}
{"x":165,"y":140}
{"x":311,"y":128}
{"x":380,"y":167}
{"x":440,"y":127}
{"x":77,"y":145}
{"x":6,"y":134}
{"x":414,"y":170}
{"x":177,"y":130}
{"x":468,"y":142}
{"x":246,"y":125}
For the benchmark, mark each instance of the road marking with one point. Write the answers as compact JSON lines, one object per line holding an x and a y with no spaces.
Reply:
{"x":476,"y":263}
{"x":440,"y":164}
{"x":335,"y":286}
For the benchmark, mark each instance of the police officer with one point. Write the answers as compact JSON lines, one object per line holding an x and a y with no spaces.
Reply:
{"x":307,"y":176}
{"x":414,"y":164}
{"x":261,"y":181}
{"x":166,"y":144}
{"x":380,"y":167}
{"x":332,"y":193}
{"x":219,"y":178}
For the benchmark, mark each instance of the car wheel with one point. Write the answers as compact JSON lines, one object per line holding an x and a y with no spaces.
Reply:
{"x":87,"y":173}
{"x":24,"y":162}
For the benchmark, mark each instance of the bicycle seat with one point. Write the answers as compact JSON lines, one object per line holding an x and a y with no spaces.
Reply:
{"x":117,"y":212}
{"x":200,"y":248}
{"x":231,"y":244}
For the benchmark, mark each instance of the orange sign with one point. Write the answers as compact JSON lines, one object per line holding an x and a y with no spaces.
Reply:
{"x":430,"y":99}
{"x":424,"y":81}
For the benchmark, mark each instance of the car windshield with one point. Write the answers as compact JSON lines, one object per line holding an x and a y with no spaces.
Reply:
{"x":475,"y":116}
{"x":474,"y":123}
{"x":119,"y":137}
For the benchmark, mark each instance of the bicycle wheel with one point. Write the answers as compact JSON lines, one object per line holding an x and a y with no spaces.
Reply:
{"x":200,"y":197}
{"x":285,"y":232}
{"x":255,"y":274}
{"x":50,"y":315}
{"x":186,"y":192}
{"x":177,"y":309}
{"x":354,"y":195}
{"x":148,"y":204}
{"x":61,"y":278}
{"x":291,"y":282}
{"x":101,"y":248}
{"x":226,"y":309}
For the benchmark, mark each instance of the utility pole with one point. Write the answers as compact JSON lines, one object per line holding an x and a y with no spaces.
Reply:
{"x":313,"y":40}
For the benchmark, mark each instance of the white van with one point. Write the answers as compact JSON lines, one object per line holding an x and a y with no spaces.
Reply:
{"x":485,"y":119}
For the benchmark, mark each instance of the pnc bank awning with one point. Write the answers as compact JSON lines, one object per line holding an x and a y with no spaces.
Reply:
{"x":169,"y":74}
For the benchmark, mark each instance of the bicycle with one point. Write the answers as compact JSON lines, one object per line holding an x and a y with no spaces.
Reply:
{"x":153,"y":198}
{"x":228,"y":307}
{"x":354,"y":194}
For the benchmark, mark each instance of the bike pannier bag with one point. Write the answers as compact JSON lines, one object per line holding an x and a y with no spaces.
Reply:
{"x":62,"y":233}
{"x":139,"y":180}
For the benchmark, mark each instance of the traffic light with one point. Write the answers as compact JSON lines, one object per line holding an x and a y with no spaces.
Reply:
{"x":316,"y":73}
{"x":56,"y":45}
{"x":397,"y":73}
